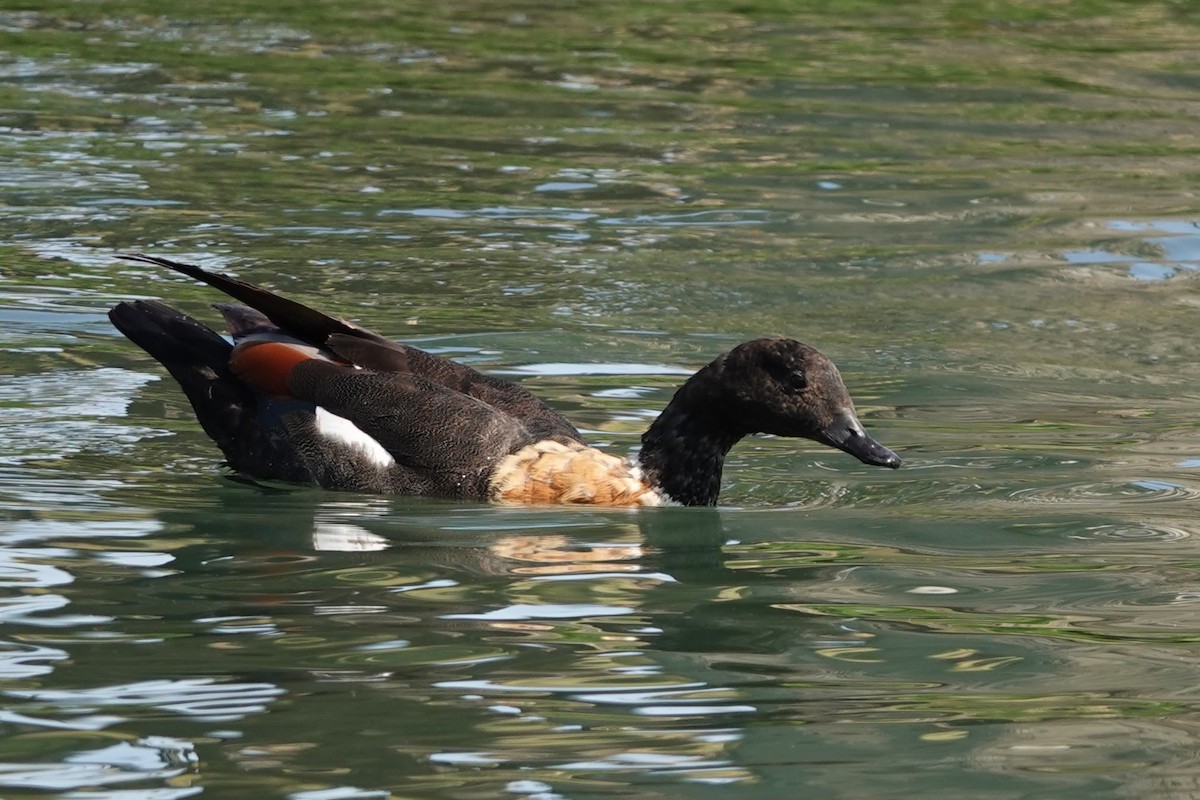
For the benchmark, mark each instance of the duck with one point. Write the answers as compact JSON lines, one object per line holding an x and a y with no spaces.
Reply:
{"x":304,"y":397}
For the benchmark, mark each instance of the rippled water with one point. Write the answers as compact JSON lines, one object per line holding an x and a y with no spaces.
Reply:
{"x":985,"y":214}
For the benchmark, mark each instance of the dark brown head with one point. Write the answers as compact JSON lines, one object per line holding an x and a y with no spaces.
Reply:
{"x":774,"y":386}
{"x":786,"y":388}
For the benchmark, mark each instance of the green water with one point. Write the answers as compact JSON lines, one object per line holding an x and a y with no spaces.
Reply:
{"x":985,"y":213}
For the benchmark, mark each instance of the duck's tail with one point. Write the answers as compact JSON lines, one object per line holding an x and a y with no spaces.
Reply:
{"x":231,"y":413}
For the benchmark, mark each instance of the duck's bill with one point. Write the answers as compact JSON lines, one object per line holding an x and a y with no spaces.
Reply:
{"x":847,"y":434}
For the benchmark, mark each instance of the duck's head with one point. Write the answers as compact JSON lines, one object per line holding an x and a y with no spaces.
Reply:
{"x":786,"y":388}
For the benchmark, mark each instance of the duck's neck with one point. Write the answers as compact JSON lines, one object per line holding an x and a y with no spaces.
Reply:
{"x":684,"y":450}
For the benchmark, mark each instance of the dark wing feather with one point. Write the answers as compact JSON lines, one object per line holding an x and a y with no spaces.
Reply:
{"x":505,"y":396}
{"x":441,"y":439}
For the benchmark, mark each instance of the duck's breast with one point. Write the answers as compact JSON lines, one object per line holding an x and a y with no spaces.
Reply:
{"x":550,"y":472}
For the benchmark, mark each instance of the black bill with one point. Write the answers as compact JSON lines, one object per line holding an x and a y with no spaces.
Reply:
{"x":847,"y":434}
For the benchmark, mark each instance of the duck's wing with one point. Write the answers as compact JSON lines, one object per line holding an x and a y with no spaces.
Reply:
{"x":365,"y":348}
{"x":514,"y":400}
{"x":416,"y":435}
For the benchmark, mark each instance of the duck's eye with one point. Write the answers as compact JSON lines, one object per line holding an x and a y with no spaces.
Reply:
{"x":789,"y":378}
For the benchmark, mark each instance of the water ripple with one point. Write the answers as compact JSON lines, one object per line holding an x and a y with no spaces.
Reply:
{"x":695,"y":768}
{"x":1139,"y":531}
{"x":524,"y":611}
{"x":31,"y":610}
{"x":57,"y":414}
{"x":701,"y":219}
{"x":1095,"y":492}
{"x":20,"y":660}
{"x":156,"y":757}
{"x":202,"y":698}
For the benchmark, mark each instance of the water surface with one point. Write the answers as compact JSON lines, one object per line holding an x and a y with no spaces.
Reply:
{"x":986,"y":214}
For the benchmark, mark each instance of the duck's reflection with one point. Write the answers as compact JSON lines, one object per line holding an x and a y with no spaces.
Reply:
{"x":579,"y":640}
{"x":541,"y":542}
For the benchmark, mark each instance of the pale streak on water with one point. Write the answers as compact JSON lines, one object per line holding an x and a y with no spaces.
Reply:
{"x":1003,"y":265}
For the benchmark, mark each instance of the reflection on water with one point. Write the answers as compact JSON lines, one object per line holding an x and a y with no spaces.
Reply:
{"x":990,"y":226}
{"x":56,"y":415}
{"x":155,"y":758}
{"x":589,"y":645}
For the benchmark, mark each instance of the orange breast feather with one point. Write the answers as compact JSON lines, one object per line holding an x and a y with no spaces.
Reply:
{"x":549,"y":472}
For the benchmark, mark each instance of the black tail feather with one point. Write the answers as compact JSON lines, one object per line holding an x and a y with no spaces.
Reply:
{"x":228,"y":410}
{"x":243,"y":321}
{"x":297,"y":319}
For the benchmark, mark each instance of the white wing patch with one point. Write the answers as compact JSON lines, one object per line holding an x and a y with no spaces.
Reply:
{"x":340,"y":429}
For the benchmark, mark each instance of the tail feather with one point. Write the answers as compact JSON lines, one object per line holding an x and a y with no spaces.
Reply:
{"x":183,"y":345}
{"x":245,"y":321}
{"x":228,"y":410}
{"x":296,"y":318}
